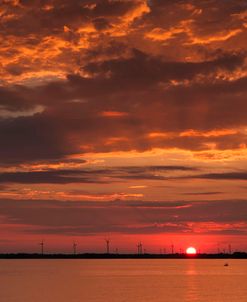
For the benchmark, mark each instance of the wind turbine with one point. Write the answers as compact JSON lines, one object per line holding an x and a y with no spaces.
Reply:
{"x":172,"y":248}
{"x":139,"y":248}
{"x":42,"y":247}
{"x":107,"y":245}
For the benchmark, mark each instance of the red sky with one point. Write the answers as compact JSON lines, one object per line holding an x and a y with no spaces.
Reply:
{"x":125,"y":120}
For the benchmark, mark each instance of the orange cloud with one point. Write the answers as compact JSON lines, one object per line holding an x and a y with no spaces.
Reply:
{"x":141,"y":9}
{"x":116,"y":140}
{"x":159,"y":135}
{"x":212,"y":133}
{"x":200,"y":227}
{"x":222,"y":155}
{"x":53,"y":194}
{"x":113,"y":114}
{"x":188,"y":27}
{"x":219,"y":37}
{"x":137,"y":187}
{"x":159,"y":34}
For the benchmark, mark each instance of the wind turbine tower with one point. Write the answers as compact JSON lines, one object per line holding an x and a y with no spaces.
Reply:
{"x":230,"y":249}
{"x":74,"y":247}
{"x":140,"y":248}
{"x":172,"y":248}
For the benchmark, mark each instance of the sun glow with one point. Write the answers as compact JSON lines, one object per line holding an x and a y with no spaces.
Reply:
{"x":191,"y":251}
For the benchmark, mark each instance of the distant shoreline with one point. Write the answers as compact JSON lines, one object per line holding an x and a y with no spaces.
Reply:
{"x":236,"y":255}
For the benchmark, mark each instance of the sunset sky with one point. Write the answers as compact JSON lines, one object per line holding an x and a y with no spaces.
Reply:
{"x":124,"y":120}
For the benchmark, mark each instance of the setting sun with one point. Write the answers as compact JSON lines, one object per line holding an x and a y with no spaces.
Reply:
{"x":191,"y":251}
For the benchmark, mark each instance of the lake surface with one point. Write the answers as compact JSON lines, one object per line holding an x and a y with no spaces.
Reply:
{"x":122,"y":280}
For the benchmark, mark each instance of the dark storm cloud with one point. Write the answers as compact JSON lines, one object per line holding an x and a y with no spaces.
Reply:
{"x":138,"y":169}
{"x":81,"y":218}
{"x":14,"y":99}
{"x":202,"y":193}
{"x":223,"y":176}
{"x":155,"y":93}
{"x":230,"y":231}
{"x":143,"y":69}
{"x":101,"y":23}
{"x":90,"y":175}
{"x":93,"y":229}
{"x":45,"y":137}
{"x":54,"y":177}
{"x":71,"y":116}
{"x":34,"y":138}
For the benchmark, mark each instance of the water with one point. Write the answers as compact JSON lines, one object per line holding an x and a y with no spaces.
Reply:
{"x":122,"y":280}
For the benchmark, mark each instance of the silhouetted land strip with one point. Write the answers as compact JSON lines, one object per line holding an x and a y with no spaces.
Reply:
{"x":236,"y":255}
